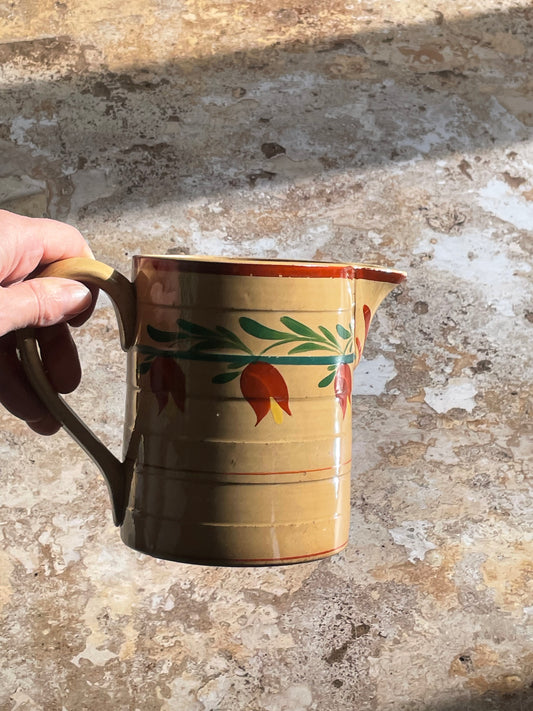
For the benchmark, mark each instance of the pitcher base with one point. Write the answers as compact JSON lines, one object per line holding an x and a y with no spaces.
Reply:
{"x":237,"y":562}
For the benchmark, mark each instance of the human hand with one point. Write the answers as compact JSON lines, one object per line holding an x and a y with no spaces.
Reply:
{"x":26,"y":245}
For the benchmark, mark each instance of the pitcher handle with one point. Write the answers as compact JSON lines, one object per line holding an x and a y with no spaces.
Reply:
{"x":122,"y":294}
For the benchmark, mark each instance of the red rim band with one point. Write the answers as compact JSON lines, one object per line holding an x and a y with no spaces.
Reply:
{"x":271,"y":268}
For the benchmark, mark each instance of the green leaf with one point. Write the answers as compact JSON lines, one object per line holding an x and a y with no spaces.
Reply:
{"x":144,"y":367}
{"x":327,"y":333}
{"x":235,"y":366}
{"x":233,"y":338}
{"x":326,"y":381}
{"x":343,"y":332}
{"x":303,"y":347}
{"x":254,"y":328}
{"x":224,"y":377}
{"x":333,"y":367}
{"x":194,"y":328}
{"x":209,"y":345}
{"x":299,"y":328}
{"x":277,"y":344}
{"x":161,"y":336}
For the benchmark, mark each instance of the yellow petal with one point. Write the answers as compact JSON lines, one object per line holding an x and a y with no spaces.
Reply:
{"x":277,"y":412}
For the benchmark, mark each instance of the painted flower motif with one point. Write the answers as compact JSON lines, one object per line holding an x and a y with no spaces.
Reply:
{"x":262,"y":385}
{"x":167,"y":379}
{"x":367,"y":315}
{"x":264,"y":388}
{"x":343,"y":386}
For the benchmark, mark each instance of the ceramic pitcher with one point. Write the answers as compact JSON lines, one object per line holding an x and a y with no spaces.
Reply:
{"x":238,"y":429}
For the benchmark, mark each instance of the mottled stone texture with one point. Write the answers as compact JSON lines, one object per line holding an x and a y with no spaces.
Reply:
{"x":389,"y":132}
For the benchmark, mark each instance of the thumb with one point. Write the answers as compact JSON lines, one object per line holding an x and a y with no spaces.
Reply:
{"x":41,"y":302}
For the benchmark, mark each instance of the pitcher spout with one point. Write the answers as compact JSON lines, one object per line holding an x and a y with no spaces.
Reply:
{"x":372,"y":285}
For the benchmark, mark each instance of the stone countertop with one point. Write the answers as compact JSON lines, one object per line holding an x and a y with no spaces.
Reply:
{"x":392,"y":133}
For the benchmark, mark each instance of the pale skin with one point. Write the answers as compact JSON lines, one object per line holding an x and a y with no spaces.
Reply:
{"x":26,"y":245}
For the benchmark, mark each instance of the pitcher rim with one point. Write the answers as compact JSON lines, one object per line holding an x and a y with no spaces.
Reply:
{"x":248,"y":266}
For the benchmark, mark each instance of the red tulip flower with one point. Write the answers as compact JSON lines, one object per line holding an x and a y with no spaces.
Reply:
{"x":264,"y":388}
{"x":343,"y":386}
{"x":167,"y":379}
{"x":367,"y":315}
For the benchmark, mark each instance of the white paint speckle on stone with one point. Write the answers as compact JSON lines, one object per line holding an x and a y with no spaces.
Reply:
{"x":481,"y":258}
{"x":22,"y":700}
{"x":500,"y":200}
{"x":182,"y":694}
{"x":412,"y":535}
{"x":89,"y":186}
{"x":372,"y":376}
{"x":212,"y":694}
{"x":98,"y":657}
{"x":16,"y":186}
{"x":19,"y":132}
{"x":458,"y":392}
{"x":295,"y":698}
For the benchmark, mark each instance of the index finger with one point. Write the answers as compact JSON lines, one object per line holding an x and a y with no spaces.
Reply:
{"x":27,"y":242}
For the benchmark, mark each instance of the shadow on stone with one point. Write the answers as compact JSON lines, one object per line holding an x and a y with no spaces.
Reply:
{"x":258,"y":118}
{"x":519,"y":700}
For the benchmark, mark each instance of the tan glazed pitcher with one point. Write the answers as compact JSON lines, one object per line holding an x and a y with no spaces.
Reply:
{"x":238,"y":428}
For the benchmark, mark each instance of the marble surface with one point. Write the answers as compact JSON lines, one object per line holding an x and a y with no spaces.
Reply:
{"x":397,"y":133}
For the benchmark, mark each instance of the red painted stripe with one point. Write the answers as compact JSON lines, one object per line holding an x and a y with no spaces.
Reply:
{"x":297,"y":471}
{"x":376,"y":274}
{"x":286,"y":558}
{"x":266,"y":268}
{"x":270,"y":268}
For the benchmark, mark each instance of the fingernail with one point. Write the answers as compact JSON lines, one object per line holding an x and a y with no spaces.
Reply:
{"x":76,"y":298}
